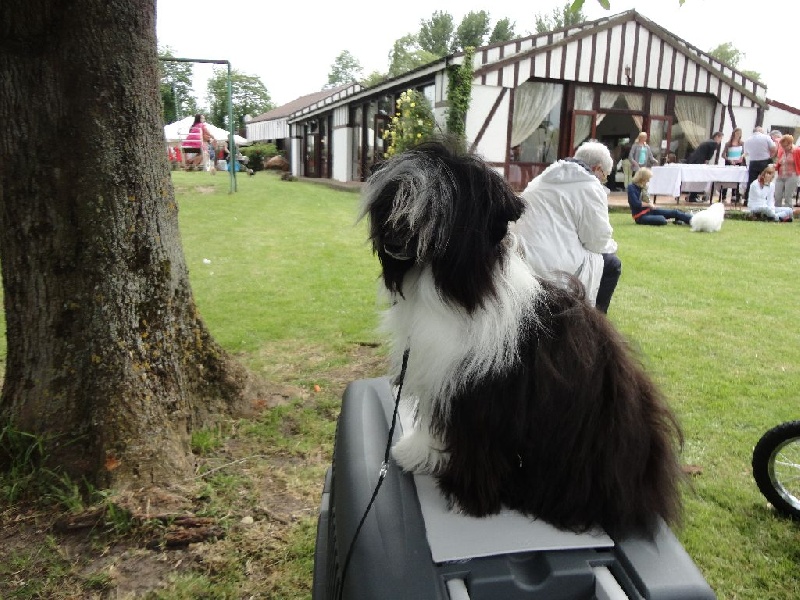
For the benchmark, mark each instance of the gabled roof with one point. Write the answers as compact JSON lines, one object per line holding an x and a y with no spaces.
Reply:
{"x":636,"y":42}
{"x":782,"y":106}
{"x":299,"y":104}
{"x":583,"y":53}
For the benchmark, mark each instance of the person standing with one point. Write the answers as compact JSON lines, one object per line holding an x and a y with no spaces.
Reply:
{"x":733,"y":155}
{"x":641,"y":155}
{"x":197,"y":141}
{"x":787,"y":164}
{"x":565,"y":227}
{"x":776,"y":135}
{"x":704,"y":153}
{"x":759,"y":150}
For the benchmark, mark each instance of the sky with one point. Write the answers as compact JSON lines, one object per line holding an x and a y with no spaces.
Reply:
{"x":292,"y":47}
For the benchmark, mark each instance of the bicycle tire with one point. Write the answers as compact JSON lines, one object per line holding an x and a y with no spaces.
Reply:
{"x":776,"y":467}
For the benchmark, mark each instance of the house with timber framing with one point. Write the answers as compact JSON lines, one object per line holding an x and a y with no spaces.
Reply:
{"x":536,"y":99}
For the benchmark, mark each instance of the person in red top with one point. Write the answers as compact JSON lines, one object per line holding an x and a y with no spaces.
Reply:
{"x":198,"y":138}
{"x":787,"y":163}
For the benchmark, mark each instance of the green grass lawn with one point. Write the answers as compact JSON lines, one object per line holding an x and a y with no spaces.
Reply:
{"x":714,"y":316}
{"x":285,"y":280}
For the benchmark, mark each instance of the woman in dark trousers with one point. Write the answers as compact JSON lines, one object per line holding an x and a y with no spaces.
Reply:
{"x":645,"y":213}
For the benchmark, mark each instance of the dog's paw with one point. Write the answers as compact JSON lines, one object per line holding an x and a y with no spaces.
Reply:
{"x":418,"y":452}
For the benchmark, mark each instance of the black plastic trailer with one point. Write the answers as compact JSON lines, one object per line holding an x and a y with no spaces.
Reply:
{"x":412,"y":547}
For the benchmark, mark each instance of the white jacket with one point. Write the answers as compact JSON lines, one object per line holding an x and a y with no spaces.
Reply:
{"x":565,"y":225}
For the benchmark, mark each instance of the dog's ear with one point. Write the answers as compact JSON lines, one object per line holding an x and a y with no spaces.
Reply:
{"x":483,"y":206}
{"x":434,"y":205}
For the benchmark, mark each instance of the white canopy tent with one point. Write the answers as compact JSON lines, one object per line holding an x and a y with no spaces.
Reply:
{"x":177,"y":131}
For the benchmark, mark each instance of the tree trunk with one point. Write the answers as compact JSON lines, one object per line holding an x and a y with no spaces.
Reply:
{"x":108,"y":358}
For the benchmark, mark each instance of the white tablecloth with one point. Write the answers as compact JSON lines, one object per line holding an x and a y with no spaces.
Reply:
{"x":670,"y":179}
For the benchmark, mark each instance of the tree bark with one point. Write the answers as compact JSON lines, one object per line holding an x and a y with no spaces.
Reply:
{"x":108,"y":359}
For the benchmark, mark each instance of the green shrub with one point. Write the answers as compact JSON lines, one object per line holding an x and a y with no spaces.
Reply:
{"x":258,"y":153}
{"x":412,"y":124}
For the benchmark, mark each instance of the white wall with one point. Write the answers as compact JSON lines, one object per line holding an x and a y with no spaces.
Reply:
{"x":297,"y":155}
{"x":492,"y":146}
{"x":276,"y":129}
{"x":777,"y":117}
{"x":341,"y":142}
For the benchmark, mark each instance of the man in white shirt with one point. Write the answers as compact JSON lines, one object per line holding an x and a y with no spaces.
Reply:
{"x":759,"y":150}
{"x":565,"y":226}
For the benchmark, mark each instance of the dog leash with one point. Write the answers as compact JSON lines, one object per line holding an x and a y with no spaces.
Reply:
{"x":381,"y":475}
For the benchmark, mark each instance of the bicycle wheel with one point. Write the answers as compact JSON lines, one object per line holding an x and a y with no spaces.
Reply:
{"x":776,"y":467}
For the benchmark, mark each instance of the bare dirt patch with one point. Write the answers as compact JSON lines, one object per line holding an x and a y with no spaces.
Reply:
{"x":238,"y":515}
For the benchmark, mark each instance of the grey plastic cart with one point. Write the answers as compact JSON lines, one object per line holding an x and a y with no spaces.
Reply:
{"x":412,"y":547}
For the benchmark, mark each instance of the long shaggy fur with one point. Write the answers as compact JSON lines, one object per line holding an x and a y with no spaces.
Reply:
{"x":709,"y":219}
{"x":525,"y":395}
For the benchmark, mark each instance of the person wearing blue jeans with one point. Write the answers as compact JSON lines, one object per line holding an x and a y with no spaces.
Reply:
{"x":645,"y":213}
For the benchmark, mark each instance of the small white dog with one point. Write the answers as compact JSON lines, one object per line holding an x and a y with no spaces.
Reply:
{"x":709,"y":219}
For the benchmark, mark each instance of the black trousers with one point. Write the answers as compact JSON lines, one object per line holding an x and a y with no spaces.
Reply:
{"x":612,"y":269}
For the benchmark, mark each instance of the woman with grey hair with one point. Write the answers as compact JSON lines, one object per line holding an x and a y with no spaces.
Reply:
{"x":565,"y":226}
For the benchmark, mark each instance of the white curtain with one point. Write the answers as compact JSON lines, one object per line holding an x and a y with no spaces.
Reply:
{"x":694,"y":117}
{"x":584,"y":100}
{"x":658,"y":104}
{"x":635,"y":102}
{"x":606,"y":99}
{"x":532,"y":103}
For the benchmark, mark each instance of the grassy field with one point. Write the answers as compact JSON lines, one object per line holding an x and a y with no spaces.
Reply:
{"x":285,"y":280}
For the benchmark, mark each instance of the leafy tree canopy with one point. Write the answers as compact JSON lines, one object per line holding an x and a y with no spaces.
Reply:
{"x":565,"y":16}
{"x":406,"y":54}
{"x":732,"y":56}
{"x":728,"y":54}
{"x":374,"y":79}
{"x":503,"y":32}
{"x":176,"y":87}
{"x":345,"y":69}
{"x":472,"y":30}
{"x":436,"y":34}
{"x":753,"y":75}
{"x":248,"y":96}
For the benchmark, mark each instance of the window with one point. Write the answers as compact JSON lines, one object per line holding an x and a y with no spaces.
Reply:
{"x":536,"y":123}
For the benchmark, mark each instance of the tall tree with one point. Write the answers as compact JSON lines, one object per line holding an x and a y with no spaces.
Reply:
{"x":374,"y":79}
{"x":472,"y":30}
{"x":249,"y":96}
{"x":345,"y":69}
{"x":407,"y":55}
{"x":728,"y":54}
{"x":565,"y":16}
{"x":732,"y":56}
{"x":108,"y":359}
{"x":176,"y":87}
{"x":436,"y":34}
{"x":503,"y":32}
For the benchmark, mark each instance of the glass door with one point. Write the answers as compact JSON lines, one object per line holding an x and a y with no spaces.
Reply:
{"x":584,"y":126}
{"x":660,"y":137}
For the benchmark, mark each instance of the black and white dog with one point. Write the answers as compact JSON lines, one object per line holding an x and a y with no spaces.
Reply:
{"x":525,"y":396}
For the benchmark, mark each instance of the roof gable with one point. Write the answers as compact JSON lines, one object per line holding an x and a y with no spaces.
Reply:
{"x":624,"y":49}
{"x":299,"y":104}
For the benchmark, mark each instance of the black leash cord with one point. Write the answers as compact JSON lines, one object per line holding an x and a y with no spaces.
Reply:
{"x":381,"y":476}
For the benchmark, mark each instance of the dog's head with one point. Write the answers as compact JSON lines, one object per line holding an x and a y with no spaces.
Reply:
{"x":435,"y":206}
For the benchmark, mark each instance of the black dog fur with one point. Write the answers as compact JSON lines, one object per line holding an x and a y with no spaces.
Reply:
{"x":573,"y":431}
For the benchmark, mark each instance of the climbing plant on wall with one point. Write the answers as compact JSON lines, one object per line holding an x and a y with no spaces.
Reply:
{"x":459,"y":92}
